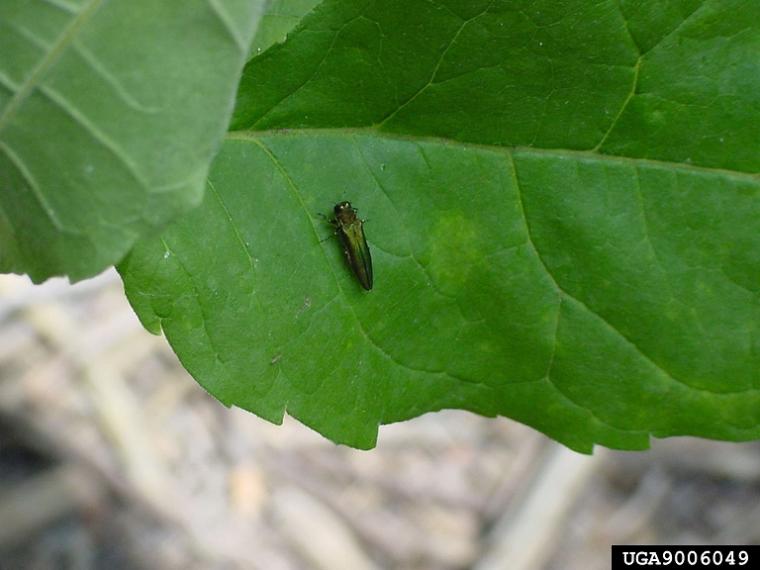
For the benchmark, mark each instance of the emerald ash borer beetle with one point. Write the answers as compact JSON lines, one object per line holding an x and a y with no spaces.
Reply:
{"x":350,"y":230}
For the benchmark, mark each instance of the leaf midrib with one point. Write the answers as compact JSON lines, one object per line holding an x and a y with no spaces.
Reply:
{"x":548,"y":152}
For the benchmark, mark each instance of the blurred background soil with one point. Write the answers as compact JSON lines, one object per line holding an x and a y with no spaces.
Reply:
{"x":112,"y":456}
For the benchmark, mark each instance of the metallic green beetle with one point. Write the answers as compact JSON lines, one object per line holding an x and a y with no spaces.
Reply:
{"x":349,"y":229}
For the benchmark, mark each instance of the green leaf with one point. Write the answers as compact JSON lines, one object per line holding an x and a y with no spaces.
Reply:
{"x":562,"y":204}
{"x":110,"y":113}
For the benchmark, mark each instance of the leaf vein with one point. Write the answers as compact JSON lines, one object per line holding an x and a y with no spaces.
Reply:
{"x":226,"y":21}
{"x":8,"y":83}
{"x":240,"y":240}
{"x":61,"y":5}
{"x":437,"y":66}
{"x":676,"y":29}
{"x":111,"y":80}
{"x":411,"y":254}
{"x":623,"y":107}
{"x":198,"y":301}
{"x":627,"y":27}
{"x":561,"y":291}
{"x":56,"y":49}
{"x":557,"y":152}
{"x":34,"y":186}
{"x":311,"y":77}
{"x":81,"y":120}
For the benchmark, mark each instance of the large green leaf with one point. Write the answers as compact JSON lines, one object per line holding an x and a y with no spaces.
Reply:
{"x":110,"y":113}
{"x":563,"y":209}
